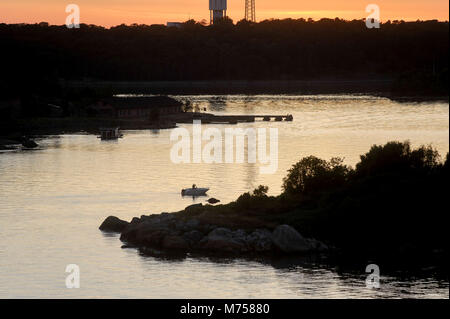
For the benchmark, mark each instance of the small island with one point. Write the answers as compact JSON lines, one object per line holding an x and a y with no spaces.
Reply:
{"x":391,"y":205}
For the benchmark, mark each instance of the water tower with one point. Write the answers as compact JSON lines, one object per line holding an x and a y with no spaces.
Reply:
{"x":217,"y":10}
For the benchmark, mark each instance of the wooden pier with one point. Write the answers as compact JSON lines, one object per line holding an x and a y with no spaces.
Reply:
{"x":208,"y":118}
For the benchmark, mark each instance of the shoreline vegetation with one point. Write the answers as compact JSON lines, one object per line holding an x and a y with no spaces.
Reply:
{"x":410,"y":57}
{"x":29,"y":116}
{"x":391,"y":206}
{"x":378,"y":86}
{"x":52,"y":74}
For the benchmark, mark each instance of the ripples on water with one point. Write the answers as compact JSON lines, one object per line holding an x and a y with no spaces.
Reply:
{"x":52,"y":201}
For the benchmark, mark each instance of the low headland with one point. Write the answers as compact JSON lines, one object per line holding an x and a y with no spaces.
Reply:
{"x":391,"y":206}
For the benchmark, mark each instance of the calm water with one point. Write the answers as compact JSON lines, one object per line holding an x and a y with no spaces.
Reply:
{"x":53,"y":199}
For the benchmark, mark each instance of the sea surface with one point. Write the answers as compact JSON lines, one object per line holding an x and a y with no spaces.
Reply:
{"x":53,"y":199}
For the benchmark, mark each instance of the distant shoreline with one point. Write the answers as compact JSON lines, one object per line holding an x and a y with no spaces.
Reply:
{"x":375,"y":87}
{"x":14,"y":130}
{"x":238,"y":86}
{"x":64,"y":125}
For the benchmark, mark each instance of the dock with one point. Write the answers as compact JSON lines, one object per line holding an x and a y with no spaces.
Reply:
{"x":209,"y":118}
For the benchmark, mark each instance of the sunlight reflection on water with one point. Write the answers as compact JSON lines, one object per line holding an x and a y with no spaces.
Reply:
{"x":52,"y":201}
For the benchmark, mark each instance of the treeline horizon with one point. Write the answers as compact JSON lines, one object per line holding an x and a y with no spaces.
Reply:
{"x":227,"y":20}
{"x":413,"y":54}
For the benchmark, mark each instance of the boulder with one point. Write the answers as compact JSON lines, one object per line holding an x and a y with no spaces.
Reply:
{"x":26,"y":142}
{"x":195,"y":208}
{"x":192,"y":224}
{"x":260,"y":240}
{"x":164,"y":217}
{"x":153,"y":239}
{"x":213,"y":200}
{"x":220,"y":232}
{"x":135,"y":220}
{"x":129,"y":233}
{"x":224,"y":240}
{"x":174,"y":243}
{"x":288,"y":240}
{"x":185,"y":226}
{"x":136,"y":232}
{"x":113,"y":224}
{"x":193,"y":237}
{"x":6,"y":144}
{"x":174,"y":232}
{"x":206,"y":228}
{"x":317,"y":245}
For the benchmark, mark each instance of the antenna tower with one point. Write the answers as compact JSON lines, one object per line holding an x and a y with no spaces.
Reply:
{"x":250,"y":10}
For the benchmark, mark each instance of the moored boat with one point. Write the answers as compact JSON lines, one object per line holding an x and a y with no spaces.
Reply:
{"x":194,"y":191}
{"x":110,"y":133}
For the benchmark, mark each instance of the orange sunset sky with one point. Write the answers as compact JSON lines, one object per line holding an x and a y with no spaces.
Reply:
{"x":114,"y":12}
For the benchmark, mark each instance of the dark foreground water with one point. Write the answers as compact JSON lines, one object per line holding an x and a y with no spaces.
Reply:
{"x":53,"y":199}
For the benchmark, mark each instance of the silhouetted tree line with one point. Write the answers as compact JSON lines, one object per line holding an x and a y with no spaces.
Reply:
{"x":415,"y":53}
{"x":393,"y":202}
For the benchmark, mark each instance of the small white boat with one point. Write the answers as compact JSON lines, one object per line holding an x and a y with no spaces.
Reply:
{"x":194,"y":191}
{"x":110,"y":133}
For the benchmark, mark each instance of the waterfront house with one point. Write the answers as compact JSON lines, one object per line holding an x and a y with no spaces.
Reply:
{"x":148,"y":107}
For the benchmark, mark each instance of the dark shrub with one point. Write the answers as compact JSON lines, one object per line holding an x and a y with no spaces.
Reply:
{"x":313,"y":175}
{"x":396,"y":157}
{"x":261,"y":191}
{"x":255,"y":200}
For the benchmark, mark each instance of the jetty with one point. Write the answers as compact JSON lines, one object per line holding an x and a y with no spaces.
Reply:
{"x":209,"y":118}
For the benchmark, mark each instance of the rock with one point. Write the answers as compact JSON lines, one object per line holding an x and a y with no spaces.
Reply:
{"x":165,"y":217}
{"x":8,"y":141}
{"x":113,"y":224}
{"x":150,"y":231}
{"x":206,"y":228}
{"x":213,"y":200}
{"x":194,"y":208}
{"x":135,"y":220}
{"x":193,"y":237}
{"x":288,"y":240}
{"x":136,"y":232}
{"x":192,"y":224}
{"x":220,"y":232}
{"x":185,"y":226}
{"x":5,"y":148}
{"x":317,"y":245}
{"x":26,"y":142}
{"x":240,"y":234}
{"x":174,"y":243}
{"x":165,"y":232}
{"x":127,"y":246}
{"x":260,"y":240}
{"x":6,"y":144}
{"x":129,"y":233}
{"x":153,"y":239}
{"x":224,"y":240}
{"x":180,"y":225}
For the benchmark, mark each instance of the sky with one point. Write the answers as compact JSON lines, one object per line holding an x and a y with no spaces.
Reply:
{"x":114,"y":12}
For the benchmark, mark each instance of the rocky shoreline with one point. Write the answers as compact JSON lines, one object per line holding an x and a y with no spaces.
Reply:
{"x":174,"y":233}
{"x":12,"y":143}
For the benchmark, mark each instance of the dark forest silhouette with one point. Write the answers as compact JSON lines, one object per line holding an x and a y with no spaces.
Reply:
{"x":413,"y":54}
